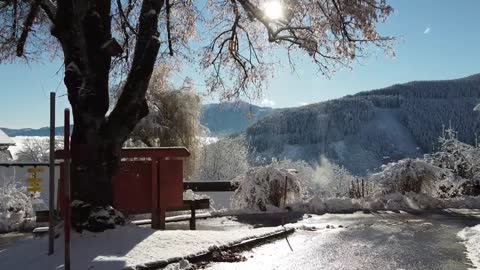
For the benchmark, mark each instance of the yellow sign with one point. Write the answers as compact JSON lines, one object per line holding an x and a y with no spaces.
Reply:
{"x":34,"y":182}
{"x":34,"y":189}
{"x":36,"y":170}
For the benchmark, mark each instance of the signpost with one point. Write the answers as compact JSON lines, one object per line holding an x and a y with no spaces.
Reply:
{"x":51,"y":182}
{"x":67,"y":221}
{"x":34,"y":181}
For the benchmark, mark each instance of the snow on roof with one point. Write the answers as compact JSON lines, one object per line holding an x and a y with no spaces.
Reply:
{"x":5,"y":140}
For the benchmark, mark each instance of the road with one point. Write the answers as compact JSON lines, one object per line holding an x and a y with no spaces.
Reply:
{"x":10,"y":238}
{"x":366,"y":241}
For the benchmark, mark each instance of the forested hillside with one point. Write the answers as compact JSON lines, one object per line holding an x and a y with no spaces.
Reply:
{"x":371,"y":128}
{"x":228,"y":118}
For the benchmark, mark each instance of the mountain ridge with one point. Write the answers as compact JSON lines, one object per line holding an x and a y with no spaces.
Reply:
{"x":370,"y":128}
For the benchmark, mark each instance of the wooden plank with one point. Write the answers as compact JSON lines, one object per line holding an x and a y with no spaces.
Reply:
{"x":155,"y":152}
{"x":199,"y":204}
{"x":211,"y":186}
{"x":170,"y":175}
{"x":142,"y":152}
{"x":42,"y":216}
{"x":155,"y":198}
{"x":26,"y":164}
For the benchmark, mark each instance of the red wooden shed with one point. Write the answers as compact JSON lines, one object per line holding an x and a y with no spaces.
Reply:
{"x":149,"y":180}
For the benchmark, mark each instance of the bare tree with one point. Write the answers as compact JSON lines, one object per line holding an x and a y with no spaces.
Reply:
{"x":222,"y":160}
{"x":102,"y":40}
{"x":36,"y":149}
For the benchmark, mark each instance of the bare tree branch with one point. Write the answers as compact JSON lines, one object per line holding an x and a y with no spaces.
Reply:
{"x":27,"y":27}
{"x":132,"y":105}
{"x":50,"y":9}
{"x":169,"y":27}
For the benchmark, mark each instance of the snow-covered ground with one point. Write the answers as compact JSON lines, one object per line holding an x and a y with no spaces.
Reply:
{"x":123,"y":247}
{"x":381,"y":241}
{"x":395,"y":202}
{"x":471,"y":236}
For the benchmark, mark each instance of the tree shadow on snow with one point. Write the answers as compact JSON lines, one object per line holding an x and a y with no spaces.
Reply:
{"x":106,"y":250}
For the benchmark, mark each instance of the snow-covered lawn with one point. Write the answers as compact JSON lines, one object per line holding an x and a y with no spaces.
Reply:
{"x":394,"y":201}
{"x":471,"y":236}
{"x":124,"y":247}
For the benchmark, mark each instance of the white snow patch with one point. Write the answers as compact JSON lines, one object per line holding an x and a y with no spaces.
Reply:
{"x":471,"y":236}
{"x":123,"y":247}
{"x":207,"y":140}
{"x":151,"y":12}
{"x":393,"y":201}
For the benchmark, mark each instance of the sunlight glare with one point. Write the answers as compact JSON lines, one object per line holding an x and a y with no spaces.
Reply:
{"x":273,"y":10}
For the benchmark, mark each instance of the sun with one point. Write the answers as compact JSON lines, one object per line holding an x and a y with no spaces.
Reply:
{"x":273,"y":10}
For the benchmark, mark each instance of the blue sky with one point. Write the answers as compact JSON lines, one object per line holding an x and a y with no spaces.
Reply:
{"x":438,"y":39}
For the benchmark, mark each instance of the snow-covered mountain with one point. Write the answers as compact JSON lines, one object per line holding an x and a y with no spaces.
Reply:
{"x":366,"y":130}
{"x":229,"y":118}
{"x":218,"y":118}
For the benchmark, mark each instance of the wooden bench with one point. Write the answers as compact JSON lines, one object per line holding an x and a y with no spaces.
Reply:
{"x":192,"y":205}
{"x":42,"y":216}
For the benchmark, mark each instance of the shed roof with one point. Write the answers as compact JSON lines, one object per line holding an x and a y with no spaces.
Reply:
{"x":5,"y":140}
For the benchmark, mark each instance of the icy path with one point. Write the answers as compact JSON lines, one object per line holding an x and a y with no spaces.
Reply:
{"x":367,"y":241}
{"x":120,"y":248}
{"x":471,"y":236}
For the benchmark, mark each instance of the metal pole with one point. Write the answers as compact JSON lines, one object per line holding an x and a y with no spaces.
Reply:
{"x":284,"y":201}
{"x":285,"y":211}
{"x":67,"y":222}
{"x":51,"y":183}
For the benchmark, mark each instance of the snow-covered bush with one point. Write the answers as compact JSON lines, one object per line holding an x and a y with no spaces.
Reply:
{"x":330,"y":180}
{"x":222,"y":160}
{"x":16,"y":210}
{"x":407,"y":175}
{"x":5,"y":155}
{"x":462,"y":160}
{"x":262,"y":188}
{"x":392,"y":201}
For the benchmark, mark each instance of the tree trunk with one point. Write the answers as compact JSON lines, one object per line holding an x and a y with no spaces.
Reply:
{"x":94,"y":158}
{"x":83,"y":28}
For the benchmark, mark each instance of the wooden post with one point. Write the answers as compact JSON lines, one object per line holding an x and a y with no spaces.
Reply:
{"x":193,"y":206}
{"x":358,"y":189}
{"x":67,"y":222}
{"x":51,"y":178}
{"x":161,"y":218}
{"x":155,"y":196}
{"x":363,"y":188}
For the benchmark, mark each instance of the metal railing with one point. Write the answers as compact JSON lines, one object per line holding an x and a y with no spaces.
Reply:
{"x":26,"y":164}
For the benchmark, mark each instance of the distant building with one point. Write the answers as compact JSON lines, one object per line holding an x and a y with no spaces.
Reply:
{"x":5,"y":142}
